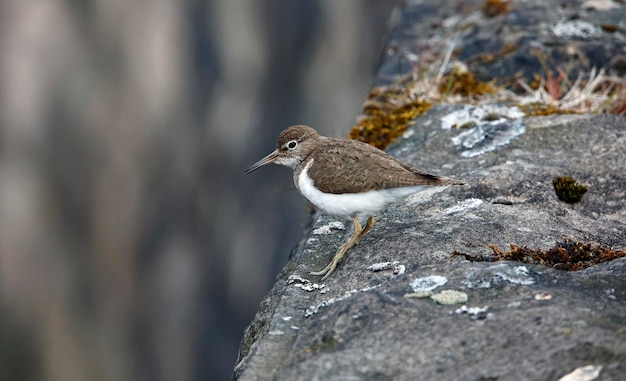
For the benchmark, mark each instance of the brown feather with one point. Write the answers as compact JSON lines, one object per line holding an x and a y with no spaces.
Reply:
{"x":366,"y":167}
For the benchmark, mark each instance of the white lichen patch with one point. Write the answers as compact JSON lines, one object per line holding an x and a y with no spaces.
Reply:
{"x":399,"y":270}
{"x":601,"y":5}
{"x":474,"y":311}
{"x":448,"y":297}
{"x":395,"y":266}
{"x":464,"y":205}
{"x":315,"y":309}
{"x":480,"y":115}
{"x":543,"y":296}
{"x":428,"y":283}
{"x":484,"y":138}
{"x":486,"y":277}
{"x":485,"y":127}
{"x":572,"y":29}
{"x":381,"y":266}
{"x":276,"y":332}
{"x":305,"y":284}
{"x":326,"y":229}
{"x":584,"y":373}
{"x":287,"y":318}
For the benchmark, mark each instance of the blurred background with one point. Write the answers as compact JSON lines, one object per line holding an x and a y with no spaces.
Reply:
{"x":132,"y":247}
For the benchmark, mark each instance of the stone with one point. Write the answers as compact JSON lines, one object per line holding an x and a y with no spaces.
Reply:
{"x":520,"y":321}
{"x":449,"y":297}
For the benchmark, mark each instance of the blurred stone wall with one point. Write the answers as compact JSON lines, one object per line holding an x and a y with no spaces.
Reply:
{"x":131,"y":245}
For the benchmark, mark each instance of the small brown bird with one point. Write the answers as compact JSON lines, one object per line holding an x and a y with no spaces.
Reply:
{"x":346,"y":178}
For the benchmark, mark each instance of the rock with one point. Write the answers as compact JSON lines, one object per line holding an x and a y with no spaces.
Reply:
{"x":519,"y":321}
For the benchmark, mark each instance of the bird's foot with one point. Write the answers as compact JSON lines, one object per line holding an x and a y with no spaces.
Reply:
{"x":326,"y":271}
{"x":356,"y":236}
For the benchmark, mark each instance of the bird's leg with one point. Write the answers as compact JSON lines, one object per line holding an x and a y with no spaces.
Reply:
{"x":357,"y":234}
{"x":368,"y":226}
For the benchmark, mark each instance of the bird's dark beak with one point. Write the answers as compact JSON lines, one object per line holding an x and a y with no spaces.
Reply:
{"x":266,"y":160}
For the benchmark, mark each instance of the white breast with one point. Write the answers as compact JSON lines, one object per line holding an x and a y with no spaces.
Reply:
{"x":361,"y":204}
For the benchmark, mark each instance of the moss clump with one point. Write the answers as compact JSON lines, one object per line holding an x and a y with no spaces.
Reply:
{"x":568,"y":190}
{"x":464,"y":83}
{"x":492,"y":8}
{"x":569,"y":255}
{"x":609,"y":28}
{"x":387,"y":113}
{"x":543,"y":109}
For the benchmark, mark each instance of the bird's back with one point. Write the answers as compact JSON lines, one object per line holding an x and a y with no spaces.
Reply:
{"x":361,"y":168}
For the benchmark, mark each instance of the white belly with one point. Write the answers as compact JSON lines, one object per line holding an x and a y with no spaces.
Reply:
{"x":360,"y":204}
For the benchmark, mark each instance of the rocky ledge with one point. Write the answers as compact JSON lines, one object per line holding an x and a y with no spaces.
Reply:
{"x":472,"y":282}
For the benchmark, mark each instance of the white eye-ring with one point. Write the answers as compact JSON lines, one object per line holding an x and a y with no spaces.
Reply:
{"x":292,"y":144}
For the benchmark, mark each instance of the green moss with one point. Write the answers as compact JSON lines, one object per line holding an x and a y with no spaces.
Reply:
{"x":568,"y":190}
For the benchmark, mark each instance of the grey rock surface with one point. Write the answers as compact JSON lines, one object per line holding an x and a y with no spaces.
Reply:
{"x":531,"y":37}
{"x":385,"y":314}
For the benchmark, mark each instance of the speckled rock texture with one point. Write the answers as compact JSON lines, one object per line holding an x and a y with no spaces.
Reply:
{"x":400,"y":307}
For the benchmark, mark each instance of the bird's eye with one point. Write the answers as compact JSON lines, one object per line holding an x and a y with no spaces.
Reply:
{"x":292,"y":144}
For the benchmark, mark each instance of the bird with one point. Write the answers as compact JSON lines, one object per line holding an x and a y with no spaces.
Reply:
{"x":347,"y":178}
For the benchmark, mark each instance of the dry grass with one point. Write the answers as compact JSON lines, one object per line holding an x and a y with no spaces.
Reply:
{"x":598,"y":93}
{"x":568,"y":255}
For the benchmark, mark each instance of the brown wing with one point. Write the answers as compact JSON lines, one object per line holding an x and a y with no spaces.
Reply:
{"x":362,"y":167}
